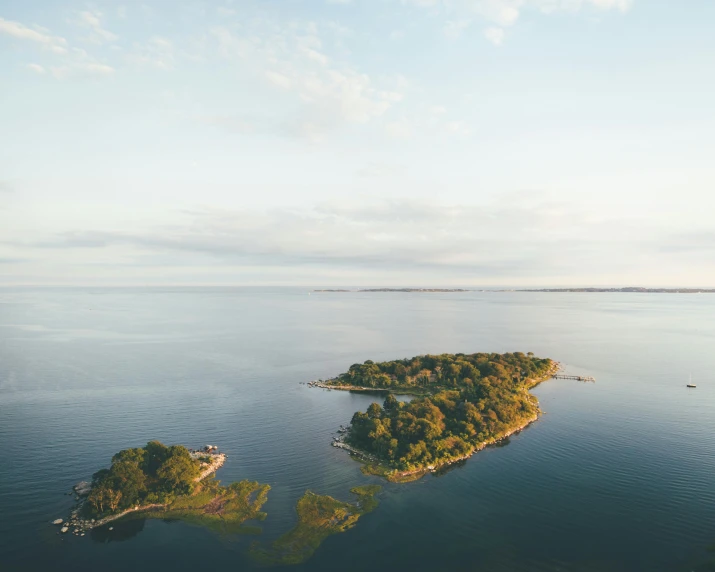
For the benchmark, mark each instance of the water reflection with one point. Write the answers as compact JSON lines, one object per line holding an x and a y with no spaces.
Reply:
{"x":446,"y":469}
{"x":121,"y":531}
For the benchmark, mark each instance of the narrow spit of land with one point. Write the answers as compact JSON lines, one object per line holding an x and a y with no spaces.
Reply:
{"x":468,"y":402}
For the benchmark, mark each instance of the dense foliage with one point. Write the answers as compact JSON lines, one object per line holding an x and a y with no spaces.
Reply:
{"x":489,"y":399}
{"x":444,"y":371}
{"x":144,"y":475}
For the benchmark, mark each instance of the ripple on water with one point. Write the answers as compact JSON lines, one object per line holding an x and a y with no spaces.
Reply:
{"x":615,"y":476}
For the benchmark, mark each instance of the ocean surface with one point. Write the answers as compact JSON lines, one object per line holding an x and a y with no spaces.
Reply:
{"x":618,"y":475}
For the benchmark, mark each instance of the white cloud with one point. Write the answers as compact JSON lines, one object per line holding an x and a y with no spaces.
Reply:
{"x":157,"y":52}
{"x":423,"y":3}
{"x":315,"y":56}
{"x":399,"y":129}
{"x":71,"y":62}
{"x":494,"y":35}
{"x":377,"y":169}
{"x":505,"y":13}
{"x":621,"y":5}
{"x":514,"y":237}
{"x":87,"y":70}
{"x":37,"y":68}
{"x":223,"y":11}
{"x":453,"y":29}
{"x":22,"y":32}
{"x":278,"y":79}
{"x":457,"y":128}
{"x":502,"y":12}
{"x":92,"y":20}
{"x":574,"y":5}
{"x":291,"y":58}
{"x":429,"y":121}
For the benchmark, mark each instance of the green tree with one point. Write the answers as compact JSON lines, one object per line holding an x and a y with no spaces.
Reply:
{"x":155,"y":455}
{"x":127,"y":477}
{"x":178,"y":473}
{"x":390,"y":403}
{"x":374,"y":411}
{"x":103,"y":497}
{"x":136,"y":455}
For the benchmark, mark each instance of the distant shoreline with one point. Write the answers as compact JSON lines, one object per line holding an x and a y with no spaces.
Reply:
{"x":626,"y":290}
{"x":400,"y":290}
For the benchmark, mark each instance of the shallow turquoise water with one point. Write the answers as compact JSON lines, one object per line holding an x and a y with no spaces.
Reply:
{"x":616,"y":475}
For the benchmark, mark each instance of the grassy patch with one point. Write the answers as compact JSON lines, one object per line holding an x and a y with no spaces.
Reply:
{"x":220,"y":509}
{"x":319,"y":516}
{"x":366,"y":497}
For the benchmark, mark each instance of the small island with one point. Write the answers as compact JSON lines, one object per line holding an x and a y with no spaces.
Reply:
{"x":157,"y":481}
{"x":469,"y":402}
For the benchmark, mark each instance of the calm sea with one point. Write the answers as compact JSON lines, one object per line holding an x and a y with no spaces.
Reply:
{"x":616,"y":476}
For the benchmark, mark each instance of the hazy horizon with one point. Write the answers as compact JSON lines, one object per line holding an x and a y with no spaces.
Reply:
{"x":475,"y":143}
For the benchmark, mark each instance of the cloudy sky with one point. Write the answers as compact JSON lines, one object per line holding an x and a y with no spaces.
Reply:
{"x":358,"y":142}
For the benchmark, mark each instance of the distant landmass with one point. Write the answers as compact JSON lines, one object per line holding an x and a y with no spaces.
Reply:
{"x":628,"y":289}
{"x":400,"y":290}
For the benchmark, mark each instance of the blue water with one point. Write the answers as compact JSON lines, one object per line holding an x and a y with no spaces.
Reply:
{"x":616,"y":476}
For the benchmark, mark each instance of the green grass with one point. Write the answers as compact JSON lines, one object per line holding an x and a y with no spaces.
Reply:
{"x":223,"y":510}
{"x":319,"y":516}
{"x":366,"y":497}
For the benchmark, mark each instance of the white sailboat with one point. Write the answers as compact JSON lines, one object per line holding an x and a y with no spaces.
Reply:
{"x":690,"y":383}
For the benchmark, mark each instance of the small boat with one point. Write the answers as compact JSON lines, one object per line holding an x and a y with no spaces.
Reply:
{"x":691,"y":384}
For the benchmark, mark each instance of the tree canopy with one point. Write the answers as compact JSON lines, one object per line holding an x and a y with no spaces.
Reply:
{"x":443,"y":371}
{"x":152,"y":474}
{"x":477,"y":398}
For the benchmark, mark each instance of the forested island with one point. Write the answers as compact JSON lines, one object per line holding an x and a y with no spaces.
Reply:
{"x":470,"y":401}
{"x":157,"y":481}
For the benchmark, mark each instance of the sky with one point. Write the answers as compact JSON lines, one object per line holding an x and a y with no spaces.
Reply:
{"x":326,"y":143}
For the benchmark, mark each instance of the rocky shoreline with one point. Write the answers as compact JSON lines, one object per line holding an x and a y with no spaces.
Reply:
{"x":397,"y":475}
{"x":80,"y":526}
